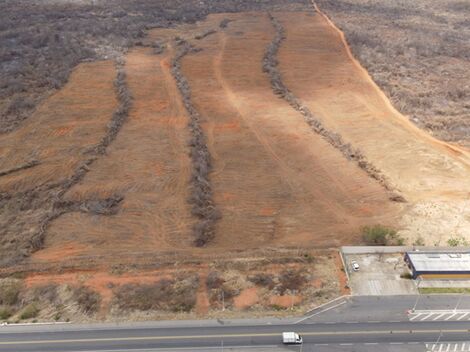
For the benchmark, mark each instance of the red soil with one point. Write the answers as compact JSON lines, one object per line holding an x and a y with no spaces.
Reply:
{"x":287,"y":185}
{"x":247,"y":298}
{"x":286,"y":301}
{"x":61,"y":130}
{"x":147,"y":164}
{"x":318,"y":67}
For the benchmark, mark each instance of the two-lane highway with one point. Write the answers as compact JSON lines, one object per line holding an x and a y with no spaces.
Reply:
{"x":359,"y":323}
{"x":132,"y":339}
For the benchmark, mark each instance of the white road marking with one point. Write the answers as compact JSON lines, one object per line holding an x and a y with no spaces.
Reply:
{"x":463,"y":316}
{"x":455,"y":347}
{"x":416,"y":316}
{"x":439,"y":316}
{"x":321,"y":311}
{"x":450,"y":316}
{"x":427,"y":316}
{"x":463,"y":347}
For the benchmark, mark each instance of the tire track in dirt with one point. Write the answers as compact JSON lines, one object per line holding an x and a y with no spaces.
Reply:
{"x":270,"y":64}
{"x":343,"y":96}
{"x":273,"y":185}
{"x":31,"y":197}
{"x":462,"y":153}
{"x":149,"y":167}
{"x":433,"y":176}
{"x":288,"y":172}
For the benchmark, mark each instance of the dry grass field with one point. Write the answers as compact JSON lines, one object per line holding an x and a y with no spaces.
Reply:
{"x":230,"y":155}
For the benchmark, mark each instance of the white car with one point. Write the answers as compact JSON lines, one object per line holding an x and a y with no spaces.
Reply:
{"x":355,"y":265}
{"x":291,"y":338}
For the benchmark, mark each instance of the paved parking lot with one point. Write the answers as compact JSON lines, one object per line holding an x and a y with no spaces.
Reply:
{"x":378,"y":274}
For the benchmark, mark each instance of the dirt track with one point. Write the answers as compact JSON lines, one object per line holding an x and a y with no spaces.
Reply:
{"x":320,"y":70}
{"x":270,"y":181}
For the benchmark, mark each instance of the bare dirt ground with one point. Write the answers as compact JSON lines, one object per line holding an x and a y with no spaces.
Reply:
{"x":53,"y":142}
{"x":318,"y":68}
{"x":278,"y":184}
{"x":149,"y":167}
{"x":419,"y":54}
{"x":273,"y":186}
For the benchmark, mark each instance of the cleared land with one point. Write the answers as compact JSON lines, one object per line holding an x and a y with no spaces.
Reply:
{"x":107,"y":184}
{"x":431,"y":174}
{"x":270,"y":181}
{"x":418,"y":53}
{"x":147,"y":165}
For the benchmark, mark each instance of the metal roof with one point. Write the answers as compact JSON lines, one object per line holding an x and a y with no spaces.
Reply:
{"x":440,"y":261}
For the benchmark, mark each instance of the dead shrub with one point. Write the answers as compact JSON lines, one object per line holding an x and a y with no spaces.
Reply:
{"x":170,"y":295}
{"x":264,"y":280}
{"x":88,"y":300}
{"x":46,"y":293}
{"x":291,"y":280}
{"x":214,"y":280}
{"x":203,"y":206}
{"x":10,"y":291}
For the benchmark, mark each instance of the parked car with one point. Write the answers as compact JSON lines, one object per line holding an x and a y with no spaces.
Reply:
{"x":355,"y":265}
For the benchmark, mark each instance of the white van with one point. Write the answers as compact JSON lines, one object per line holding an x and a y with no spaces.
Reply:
{"x":291,"y":338}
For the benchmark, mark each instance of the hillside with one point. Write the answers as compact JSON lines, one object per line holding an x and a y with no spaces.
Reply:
{"x":228,"y":156}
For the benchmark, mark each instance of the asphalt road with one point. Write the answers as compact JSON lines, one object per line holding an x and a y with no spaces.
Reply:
{"x":263,"y":335}
{"x":132,"y":339}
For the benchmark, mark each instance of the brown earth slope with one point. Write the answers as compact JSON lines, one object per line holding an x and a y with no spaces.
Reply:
{"x":147,"y":164}
{"x":274,"y":180}
{"x":319,"y":69}
{"x":54,"y":142}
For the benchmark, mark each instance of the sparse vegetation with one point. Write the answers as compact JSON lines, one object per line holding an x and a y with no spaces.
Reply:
{"x":270,"y":64}
{"x":87,"y":299}
{"x":30,"y":311}
{"x":418,"y":53}
{"x":5,"y":313}
{"x":44,"y":204}
{"x":214,"y":280}
{"x":264,"y":280}
{"x":203,"y":206}
{"x":379,"y":235}
{"x":291,"y":280}
{"x":419,"y":241}
{"x":168,"y":295}
{"x":443,"y":290}
{"x":406,"y":275}
{"x":457,"y":241}
{"x":9,"y":291}
{"x":41,"y":42}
